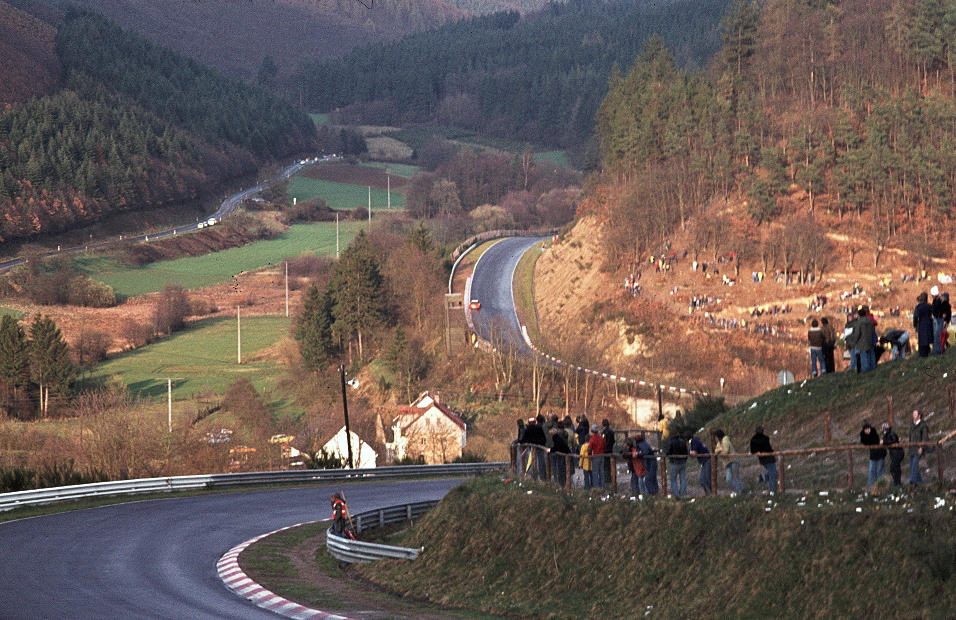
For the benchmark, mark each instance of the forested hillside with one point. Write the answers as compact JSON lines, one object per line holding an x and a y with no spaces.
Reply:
{"x":820,"y":116}
{"x":28,"y":64}
{"x":135,"y":126}
{"x":236,"y":37}
{"x":539,"y":77}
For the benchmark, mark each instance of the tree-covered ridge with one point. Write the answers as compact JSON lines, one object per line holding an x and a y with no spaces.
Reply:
{"x":73,"y":157}
{"x":799,"y":98}
{"x":135,"y":127}
{"x":180,"y":90}
{"x":539,"y":77}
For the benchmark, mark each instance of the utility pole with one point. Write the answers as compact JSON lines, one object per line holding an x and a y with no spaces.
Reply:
{"x":370,"y":209}
{"x":336,"y":234}
{"x":169,"y":401}
{"x":238,"y":337}
{"x":345,"y":410}
{"x":287,"y":289}
{"x":388,"y":189}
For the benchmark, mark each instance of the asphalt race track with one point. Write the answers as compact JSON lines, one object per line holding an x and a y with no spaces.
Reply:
{"x":496,"y":321}
{"x":157,"y":558}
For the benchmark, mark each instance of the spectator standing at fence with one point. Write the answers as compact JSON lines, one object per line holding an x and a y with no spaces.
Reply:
{"x":890,"y":439}
{"x":646,"y":453}
{"x":583,"y":428}
{"x":607,"y":433}
{"x":697,"y":448}
{"x":677,"y":464}
{"x":596,"y":441}
{"x":637,"y":466}
{"x":923,"y":323}
{"x":815,"y":340}
{"x":869,"y":437}
{"x":760,"y":443}
{"x":829,"y":343}
{"x":559,"y":450}
{"x":732,"y":467}
{"x":918,"y":432}
{"x":534,"y":435}
{"x":585,"y":464}
{"x":521,"y":427}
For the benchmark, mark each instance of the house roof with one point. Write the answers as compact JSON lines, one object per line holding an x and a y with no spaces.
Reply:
{"x":409,"y":415}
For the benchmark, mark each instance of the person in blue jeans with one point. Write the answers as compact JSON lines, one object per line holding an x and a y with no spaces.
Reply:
{"x":732,"y":467}
{"x":760,"y":445}
{"x":697,"y":448}
{"x":918,"y":433}
{"x":677,"y":465}
{"x":869,"y":437}
{"x":646,"y":452}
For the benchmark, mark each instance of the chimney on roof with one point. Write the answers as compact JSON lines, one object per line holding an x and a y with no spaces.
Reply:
{"x":437,"y":398}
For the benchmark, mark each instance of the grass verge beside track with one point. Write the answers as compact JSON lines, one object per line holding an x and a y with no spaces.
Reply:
{"x":531,"y":551}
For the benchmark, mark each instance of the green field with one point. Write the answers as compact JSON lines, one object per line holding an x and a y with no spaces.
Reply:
{"x":199,"y":271}
{"x":554,"y":157}
{"x":401,"y":170}
{"x":319,"y":119}
{"x":14,"y":313}
{"x":202,"y":358}
{"x":341,"y":196}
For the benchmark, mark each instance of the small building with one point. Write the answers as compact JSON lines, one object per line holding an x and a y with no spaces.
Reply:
{"x":427,"y":428}
{"x":363,"y":455}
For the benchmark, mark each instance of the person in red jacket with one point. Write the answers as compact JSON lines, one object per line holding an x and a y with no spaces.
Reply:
{"x":341,"y":520}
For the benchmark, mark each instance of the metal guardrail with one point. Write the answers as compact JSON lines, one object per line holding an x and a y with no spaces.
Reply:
{"x":355,"y":551}
{"x":17,"y":499}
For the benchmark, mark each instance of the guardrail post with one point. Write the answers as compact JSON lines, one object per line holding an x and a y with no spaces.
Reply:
{"x":613,"y":481}
{"x":665,"y":463}
{"x":939,"y":458}
{"x":408,"y":512}
{"x":849,"y":469}
{"x":782,"y":478}
{"x":381,"y":518}
{"x":567,"y":471}
{"x":715,"y":463}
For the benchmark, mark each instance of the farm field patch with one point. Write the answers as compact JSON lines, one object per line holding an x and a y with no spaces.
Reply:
{"x":344,"y":196}
{"x":200,"y":271}
{"x":202,"y":358}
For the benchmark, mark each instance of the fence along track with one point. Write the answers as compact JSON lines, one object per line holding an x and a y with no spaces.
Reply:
{"x":17,"y":499}
{"x":354,"y":551}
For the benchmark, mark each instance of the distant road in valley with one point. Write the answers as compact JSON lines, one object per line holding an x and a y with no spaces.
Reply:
{"x":228,"y":206}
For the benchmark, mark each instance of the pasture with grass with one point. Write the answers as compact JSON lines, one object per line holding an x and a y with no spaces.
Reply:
{"x":342,"y":196}
{"x":199,"y":271}
{"x":203,"y":359}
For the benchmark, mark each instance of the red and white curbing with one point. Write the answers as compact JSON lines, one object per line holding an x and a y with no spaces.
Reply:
{"x":240,"y":583}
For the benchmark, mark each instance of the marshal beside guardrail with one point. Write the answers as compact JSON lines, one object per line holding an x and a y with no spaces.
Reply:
{"x":354,"y":551}
{"x":17,"y":499}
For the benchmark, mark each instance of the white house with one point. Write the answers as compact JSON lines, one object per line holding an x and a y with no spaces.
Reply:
{"x":429,"y":429}
{"x":363,"y":455}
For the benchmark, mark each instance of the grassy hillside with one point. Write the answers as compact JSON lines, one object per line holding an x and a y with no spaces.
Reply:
{"x":578,"y":556}
{"x":199,"y":271}
{"x":202,"y":358}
